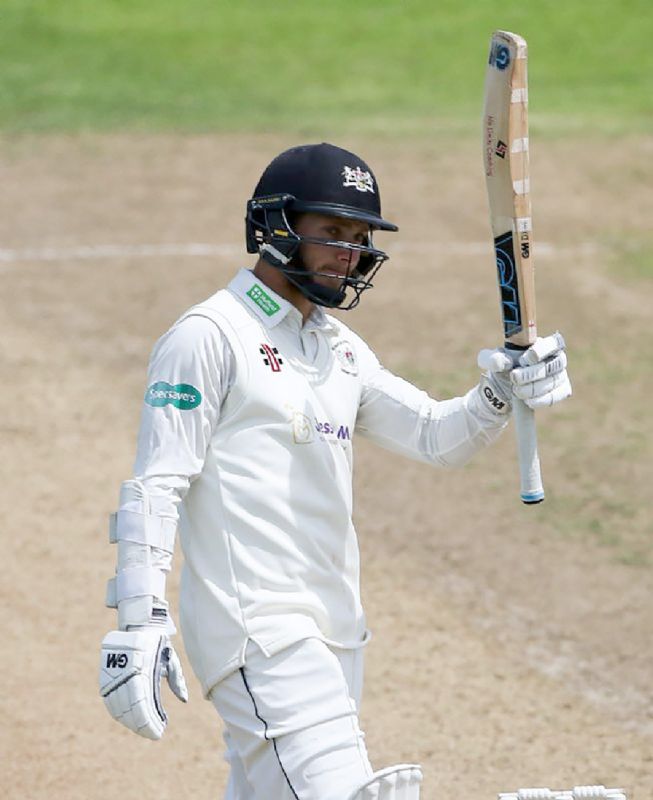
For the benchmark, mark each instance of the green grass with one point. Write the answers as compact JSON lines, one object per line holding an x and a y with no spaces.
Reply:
{"x":251,"y":65}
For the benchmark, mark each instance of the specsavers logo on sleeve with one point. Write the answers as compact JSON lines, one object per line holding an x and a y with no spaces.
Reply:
{"x":182,"y":395}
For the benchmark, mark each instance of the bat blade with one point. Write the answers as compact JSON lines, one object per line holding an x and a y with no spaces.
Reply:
{"x":507,"y":176}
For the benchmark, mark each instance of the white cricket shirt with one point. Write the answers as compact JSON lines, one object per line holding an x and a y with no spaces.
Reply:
{"x":247,"y":428}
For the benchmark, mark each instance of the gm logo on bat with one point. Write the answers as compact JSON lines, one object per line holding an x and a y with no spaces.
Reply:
{"x":499,"y":56}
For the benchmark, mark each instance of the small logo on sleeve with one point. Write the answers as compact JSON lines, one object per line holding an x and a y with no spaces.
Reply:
{"x":263,"y":300}
{"x":182,"y":395}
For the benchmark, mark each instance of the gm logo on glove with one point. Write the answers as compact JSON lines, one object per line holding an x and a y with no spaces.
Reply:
{"x":117,"y":660}
{"x":494,"y":401}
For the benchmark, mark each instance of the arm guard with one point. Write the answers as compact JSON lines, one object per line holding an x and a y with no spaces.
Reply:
{"x":146,"y":540}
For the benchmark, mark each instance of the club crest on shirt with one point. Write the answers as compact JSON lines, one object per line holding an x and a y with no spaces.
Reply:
{"x":344,"y":352}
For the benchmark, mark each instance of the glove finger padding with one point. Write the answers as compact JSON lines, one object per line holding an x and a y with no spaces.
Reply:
{"x":544,"y":348}
{"x":496,"y":360}
{"x":536,"y":372}
{"x":538,"y":376}
{"x":560,"y":391}
{"x":131,"y":666}
{"x":174,"y":674}
{"x":533,"y":389}
{"x":495,"y":387}
{"x":543,"y":383}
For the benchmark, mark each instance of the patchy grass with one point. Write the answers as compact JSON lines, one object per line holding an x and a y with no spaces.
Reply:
{"x":382,"y":66}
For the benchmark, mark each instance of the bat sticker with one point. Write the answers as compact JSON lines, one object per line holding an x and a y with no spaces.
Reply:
{"x":499,"y":56}
{"x":508,"y":286}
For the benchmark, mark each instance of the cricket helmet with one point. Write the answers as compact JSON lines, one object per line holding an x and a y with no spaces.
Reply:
{"x":323,"y":179}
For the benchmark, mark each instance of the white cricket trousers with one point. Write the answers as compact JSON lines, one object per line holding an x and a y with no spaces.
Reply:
{"x":291,"y":724}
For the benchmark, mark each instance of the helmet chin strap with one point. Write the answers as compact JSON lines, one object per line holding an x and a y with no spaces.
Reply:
{"x":321,"y":295}
{"x":274,"y":256}
{"x":296,"y":272}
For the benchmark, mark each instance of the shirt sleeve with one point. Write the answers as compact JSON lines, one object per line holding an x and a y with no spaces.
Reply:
{"x":398,"y":416}
{"x":190,"y":373}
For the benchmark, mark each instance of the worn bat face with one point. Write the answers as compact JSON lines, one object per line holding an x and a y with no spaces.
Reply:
{"x":505,"y":156}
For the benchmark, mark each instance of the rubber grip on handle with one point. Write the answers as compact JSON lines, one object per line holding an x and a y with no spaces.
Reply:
{"x":532,"y":490}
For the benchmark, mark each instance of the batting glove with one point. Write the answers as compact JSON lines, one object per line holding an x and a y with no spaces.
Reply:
{"x":132,"y":664}
{"x":538,"y":376}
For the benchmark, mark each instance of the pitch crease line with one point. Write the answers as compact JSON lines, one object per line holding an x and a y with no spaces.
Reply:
{"x":207,"y":250}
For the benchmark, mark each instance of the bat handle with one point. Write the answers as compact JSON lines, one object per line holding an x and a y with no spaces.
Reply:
{"x":532,"y":490}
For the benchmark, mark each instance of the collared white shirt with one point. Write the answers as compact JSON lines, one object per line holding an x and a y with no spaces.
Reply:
{"x":247,"y":429}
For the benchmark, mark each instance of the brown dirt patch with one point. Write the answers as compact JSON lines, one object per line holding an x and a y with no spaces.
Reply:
{"x":512,"y":646}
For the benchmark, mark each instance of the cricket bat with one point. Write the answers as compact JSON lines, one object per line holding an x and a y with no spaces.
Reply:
{"x":505,"y":156}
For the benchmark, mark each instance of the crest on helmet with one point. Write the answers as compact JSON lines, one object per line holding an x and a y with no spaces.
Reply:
{"x":354,"y":176}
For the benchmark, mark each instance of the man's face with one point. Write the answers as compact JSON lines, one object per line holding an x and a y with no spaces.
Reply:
{"x":332,"y":263}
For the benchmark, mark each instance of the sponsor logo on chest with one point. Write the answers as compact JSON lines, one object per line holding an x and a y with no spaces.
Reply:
{"x":327,"y":430}
{"x":307,"y":429}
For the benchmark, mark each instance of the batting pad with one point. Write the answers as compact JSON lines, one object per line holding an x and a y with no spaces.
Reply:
{"x":393,"y":783}
{"x":577,"y":793}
